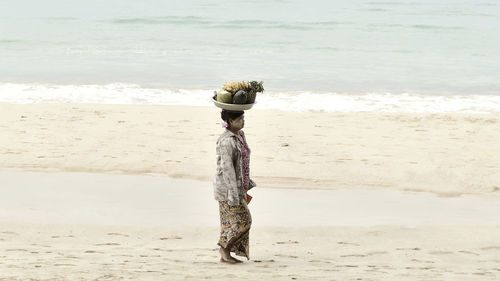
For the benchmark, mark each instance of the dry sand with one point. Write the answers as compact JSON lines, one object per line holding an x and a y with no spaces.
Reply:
{"x":378,"y":218}
{"x":446,"y":154}
{"x":67,"y":252}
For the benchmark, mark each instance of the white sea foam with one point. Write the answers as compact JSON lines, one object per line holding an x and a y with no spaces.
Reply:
{"x":289,"y":101}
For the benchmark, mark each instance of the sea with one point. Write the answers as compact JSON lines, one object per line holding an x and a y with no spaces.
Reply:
{"x":316,"y":55}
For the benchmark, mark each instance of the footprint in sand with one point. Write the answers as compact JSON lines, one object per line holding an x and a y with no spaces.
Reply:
{"x":16,"y":250}
{"x":55,"y":236}
{"x":419,"y":268}
{"x":319,"y":261}
{"x":286,"y":256}
{"x":469,"y":253}
{"x":263,"y":261}
{"x":206,"y":255}
{"x":482,"y":273}
{"x":422,"y":261}
{"x":122,"y":255}
{"x":93,"y":252}
{"x":377,"y":253}
{"x":72,"y":257}
{"x":40,"y":245}
{"x":172,"y":260}
{"x":64,"y":264}
{"x":9,"y":233}
{"x":408,"y":249}
{"x":171,"y":237}
{"x":107,"y":244}
{"x":353,"y":256}
{"x":288,"y":242}
{"x":491,"y":248}
{"x":205,"y":262}
{"x":347,"y":243}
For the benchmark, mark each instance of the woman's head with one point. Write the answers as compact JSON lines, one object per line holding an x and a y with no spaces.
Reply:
{"x":235,"y":119}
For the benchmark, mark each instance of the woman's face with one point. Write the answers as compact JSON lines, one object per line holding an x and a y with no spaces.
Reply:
{"x":238,"y":123}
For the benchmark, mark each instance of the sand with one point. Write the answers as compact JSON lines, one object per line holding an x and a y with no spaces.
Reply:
{"x":78,"y":226}
{"x":445,"y":154}
{"x":118,"y":192}
{"x":67,"y":252}
{"x":140,"y":200}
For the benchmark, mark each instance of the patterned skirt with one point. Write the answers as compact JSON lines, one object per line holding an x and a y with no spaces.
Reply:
{"x":235,"y":222}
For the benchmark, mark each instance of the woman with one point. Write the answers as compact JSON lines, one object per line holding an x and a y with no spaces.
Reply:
{"x":232,"y":181}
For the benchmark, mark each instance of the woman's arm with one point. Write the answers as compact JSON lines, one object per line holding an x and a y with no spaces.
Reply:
{"x":228,"y":172}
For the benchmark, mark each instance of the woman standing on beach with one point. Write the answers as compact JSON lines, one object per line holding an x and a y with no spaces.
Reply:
{"x":232,"y":181}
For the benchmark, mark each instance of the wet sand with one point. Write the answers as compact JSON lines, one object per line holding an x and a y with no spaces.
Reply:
{"x":132,"y":200}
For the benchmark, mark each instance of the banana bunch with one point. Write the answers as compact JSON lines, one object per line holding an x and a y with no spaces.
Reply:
{"x":234,"y":87}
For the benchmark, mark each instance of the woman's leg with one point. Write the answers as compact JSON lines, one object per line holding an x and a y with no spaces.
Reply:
{"x":225,"y":256}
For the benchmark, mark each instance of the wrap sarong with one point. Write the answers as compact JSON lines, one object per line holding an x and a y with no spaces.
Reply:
{"x":235,"y":222}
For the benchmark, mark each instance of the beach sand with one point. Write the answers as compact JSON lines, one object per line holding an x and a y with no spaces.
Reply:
{"x":122,"y":192}
{"x":78,"y":226}
{"x":84,"y":252}
{"x":445,"y":154}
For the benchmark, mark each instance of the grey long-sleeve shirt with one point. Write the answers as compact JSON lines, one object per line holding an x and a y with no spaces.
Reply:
{"x":228,"y":181}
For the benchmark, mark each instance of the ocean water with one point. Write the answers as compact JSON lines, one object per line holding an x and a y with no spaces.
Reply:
{"x":346,"y":55}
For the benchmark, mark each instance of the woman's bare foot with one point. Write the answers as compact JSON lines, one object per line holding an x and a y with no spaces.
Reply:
{"x":225,"y":256}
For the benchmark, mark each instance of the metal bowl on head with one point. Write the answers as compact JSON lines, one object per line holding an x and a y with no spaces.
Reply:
{"x":233,"y":107}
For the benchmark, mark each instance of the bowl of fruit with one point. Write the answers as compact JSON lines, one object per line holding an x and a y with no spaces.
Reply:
{"x":237,"y":96}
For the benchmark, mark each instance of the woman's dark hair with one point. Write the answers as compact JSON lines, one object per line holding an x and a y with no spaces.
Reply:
{"x":229,"y":114}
